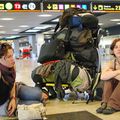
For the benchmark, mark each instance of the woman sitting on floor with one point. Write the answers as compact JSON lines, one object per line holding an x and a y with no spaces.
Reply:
{"x":111,"y":77}
{"x":8,"y":103}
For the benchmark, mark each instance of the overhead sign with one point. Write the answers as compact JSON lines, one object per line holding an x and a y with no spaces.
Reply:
{"x":17,"y":6}
{"x":60,"y":7}
{"x":106,"y":7}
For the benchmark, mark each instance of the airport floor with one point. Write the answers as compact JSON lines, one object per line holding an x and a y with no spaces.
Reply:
{"x":24,"y":68}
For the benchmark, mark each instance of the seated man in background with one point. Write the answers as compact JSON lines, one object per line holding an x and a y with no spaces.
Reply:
{"x":8,"y":103}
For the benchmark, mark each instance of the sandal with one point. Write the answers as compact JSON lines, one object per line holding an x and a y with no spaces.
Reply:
{"x":103,"y":107}
{"x":109,"y":110}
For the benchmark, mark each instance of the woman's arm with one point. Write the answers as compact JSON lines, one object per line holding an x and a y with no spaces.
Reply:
{"x":13,"y":92}
{"x":108,"y":71}
{"x":12,"y":104}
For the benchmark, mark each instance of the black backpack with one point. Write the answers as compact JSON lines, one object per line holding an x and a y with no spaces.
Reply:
{"x":76,"y":30}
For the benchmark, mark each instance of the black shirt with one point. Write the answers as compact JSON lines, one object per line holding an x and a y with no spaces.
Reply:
{"x":7,"y":79}
{"x":4,"y":92}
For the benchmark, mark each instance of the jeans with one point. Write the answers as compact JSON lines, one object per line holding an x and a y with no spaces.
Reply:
{"x":3,"y":109}
{"x":26,"y":95}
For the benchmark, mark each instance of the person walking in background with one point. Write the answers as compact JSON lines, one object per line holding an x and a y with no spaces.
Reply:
{"x":8,"y":103}
{"x":111,"y":77}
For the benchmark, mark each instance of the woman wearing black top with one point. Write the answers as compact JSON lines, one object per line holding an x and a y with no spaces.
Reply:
{"x":7,"y":80}
{"x":8,"y":87}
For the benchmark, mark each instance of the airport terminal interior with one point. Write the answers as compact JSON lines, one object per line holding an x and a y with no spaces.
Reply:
{"x":27,"y":24}
{"x":24,"y":68}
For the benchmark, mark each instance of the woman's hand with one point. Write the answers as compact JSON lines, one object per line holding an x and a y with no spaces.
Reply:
{"x":12,"y":106}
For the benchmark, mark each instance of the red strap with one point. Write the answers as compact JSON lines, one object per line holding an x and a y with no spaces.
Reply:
{"x":50,"y":62}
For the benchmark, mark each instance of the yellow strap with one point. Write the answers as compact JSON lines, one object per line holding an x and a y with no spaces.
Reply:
{"x":52,"y":84}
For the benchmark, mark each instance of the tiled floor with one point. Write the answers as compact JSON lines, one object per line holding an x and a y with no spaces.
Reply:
{"x":24,"y":68}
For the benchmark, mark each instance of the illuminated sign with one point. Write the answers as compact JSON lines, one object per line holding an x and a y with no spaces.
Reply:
{"x":60,"y":7}
{"x":106,"y":7}
{"x":20,"y":6}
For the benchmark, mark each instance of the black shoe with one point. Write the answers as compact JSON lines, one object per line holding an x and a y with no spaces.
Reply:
{"x":52,"y":93}
{"x":103,"y":107}
{"x":109,"y":110}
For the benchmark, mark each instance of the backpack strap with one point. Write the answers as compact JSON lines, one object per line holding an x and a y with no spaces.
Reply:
{"x":56,"y":27}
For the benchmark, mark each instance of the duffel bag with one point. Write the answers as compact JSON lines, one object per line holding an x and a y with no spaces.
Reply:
{"x":51,"y":50}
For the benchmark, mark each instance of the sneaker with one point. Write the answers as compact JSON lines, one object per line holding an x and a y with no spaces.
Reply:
{"x":103,"y":107}
{"x":109,"y":110}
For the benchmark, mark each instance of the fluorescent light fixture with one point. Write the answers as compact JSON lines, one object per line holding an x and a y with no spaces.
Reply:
{"x":23,"y":26}
{"x":115,"y":20}
{"x":45,"y":15}
{"x":1,"y":26}
{"x":42,"y":27}
{"x":12,"y":37}
{"x":16,"y":30}
{"x":2,"y":32}
{"x":55,"y":20}
{"x":100,"y":23}
{"x":32,"y":30}
{"x":118,"y":23}
{"x":6,"y":18}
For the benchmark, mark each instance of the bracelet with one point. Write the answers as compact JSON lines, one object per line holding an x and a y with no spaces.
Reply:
{"x":13,"y":97}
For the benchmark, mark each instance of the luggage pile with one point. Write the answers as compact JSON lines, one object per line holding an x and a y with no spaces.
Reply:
{"x":71,"y":55}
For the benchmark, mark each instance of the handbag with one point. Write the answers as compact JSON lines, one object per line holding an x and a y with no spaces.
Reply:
{"x":32,"y":111}
{"x":51,"y":50}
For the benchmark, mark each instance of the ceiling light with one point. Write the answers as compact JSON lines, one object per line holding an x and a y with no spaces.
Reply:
{"x":32,"y":30}
{"x":55,"y":20}
{"x":1,"y":26}
{"x":45,"y":15}
{"x":16,"y":30}
{"x":118,"y":23}
{"x":100,"y":23}
{"x":42,"y":27}
{"x":6,"y":19}
{"x":2,"y":32}
{"x":12,"y":37}
{"x":115,"y":20}
{"x":23,"y":26}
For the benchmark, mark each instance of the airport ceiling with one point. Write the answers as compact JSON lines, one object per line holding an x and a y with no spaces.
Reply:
{"x":34,"y":19}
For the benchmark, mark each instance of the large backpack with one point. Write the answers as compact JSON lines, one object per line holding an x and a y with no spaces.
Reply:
{"x":78,"y":30}
{"x":76,"y":33}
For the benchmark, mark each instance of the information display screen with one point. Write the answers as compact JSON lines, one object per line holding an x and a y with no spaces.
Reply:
{"x":34,"y":6}
{"x":106,"y":6}
{"x":17,"y":6}
{"x":60,"y":7}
